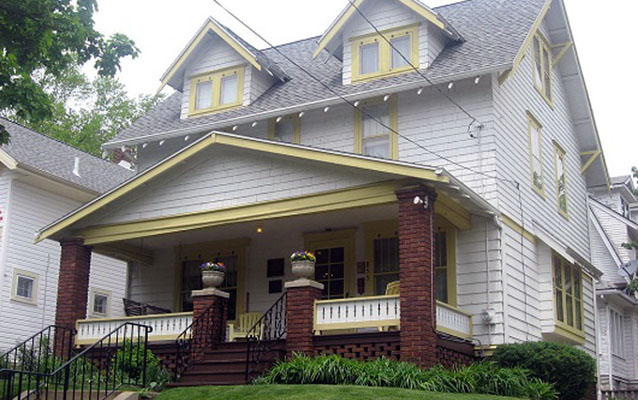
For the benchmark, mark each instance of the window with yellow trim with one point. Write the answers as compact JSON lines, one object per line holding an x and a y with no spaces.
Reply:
{"x":568,"y":294}
{"x":542,"y":66}
{"x":372,"y":136}
{"x":536,"y":154}
{"x":373,"y":56}
{"x":287,"y":129}
{"x":561,"y":178}
{"x":216,"y":91}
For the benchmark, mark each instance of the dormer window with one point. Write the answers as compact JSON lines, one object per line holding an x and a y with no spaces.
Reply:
{"x":216,"y":91}
{"x":374,"y":57}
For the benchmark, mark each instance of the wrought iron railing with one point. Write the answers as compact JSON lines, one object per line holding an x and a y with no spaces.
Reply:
{"x":202,"y":334}
{"x":272,"y":326}
{"x":96,"y":372}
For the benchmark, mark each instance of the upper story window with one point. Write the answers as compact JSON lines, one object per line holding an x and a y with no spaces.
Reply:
{"x":543,"y":67}
{"x":568,"y":294}
{"x":373,"y":56}
{"x":285,"y":129}
{"x":536,"y":154}
{"x":617,"y":333}
{"x":561,"y":178}
{"x":25,"y":286}
{"x":216,"y":91}
{"x":372,"y":136}
{"x":625,"y":207}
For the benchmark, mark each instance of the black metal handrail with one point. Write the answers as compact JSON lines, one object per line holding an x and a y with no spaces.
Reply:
{"x":119,"y":358}
{"x":272,"y":326}
{"x":203,"y":333}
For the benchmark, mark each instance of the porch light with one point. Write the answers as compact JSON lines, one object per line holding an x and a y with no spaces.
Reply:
{"x":162,"y":142}
{"x":386,"y":97}
{"x":419,"y":92}
{"x":326,"y":109}
{"x":235,"y":128}
{"x":278,"y":120}
{"x":301,"y":114}
{"x":260,"y":229}
{"x":254,"y":124}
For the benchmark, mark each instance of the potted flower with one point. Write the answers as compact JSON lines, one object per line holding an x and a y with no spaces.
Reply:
{"x":212,"y":274}
{"x":303,"y":264}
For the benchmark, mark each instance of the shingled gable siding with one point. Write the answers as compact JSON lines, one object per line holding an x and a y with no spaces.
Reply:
{"x":31,"y":209}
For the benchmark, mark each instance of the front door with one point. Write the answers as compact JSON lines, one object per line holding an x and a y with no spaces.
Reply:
{"x":335,"y":261}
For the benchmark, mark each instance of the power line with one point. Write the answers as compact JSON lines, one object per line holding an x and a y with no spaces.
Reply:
{"x":353,"y":104}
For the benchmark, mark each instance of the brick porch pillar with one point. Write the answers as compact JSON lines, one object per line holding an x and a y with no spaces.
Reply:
{"x":210,"y":310}
{"x":300,"y":301}
{"x":418,"y":294}
{"x":73,"y":288}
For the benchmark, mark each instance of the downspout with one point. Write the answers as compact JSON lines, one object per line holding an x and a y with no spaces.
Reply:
{"x":597,"y":341}
{"x":487,"y":281}
{"x":46,"y":285}
{"x":609,"y":355}
{"x":505,"y":281}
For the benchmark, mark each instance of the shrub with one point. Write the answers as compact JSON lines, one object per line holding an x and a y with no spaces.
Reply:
{"x":485,"y":378}
{"x":571,"y":371}
{"x":129,"y":359}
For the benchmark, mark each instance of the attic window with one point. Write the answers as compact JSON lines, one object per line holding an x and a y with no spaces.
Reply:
{"x":543,"y":67}
{"x":215,"y":91}
{"x":374,"y":57}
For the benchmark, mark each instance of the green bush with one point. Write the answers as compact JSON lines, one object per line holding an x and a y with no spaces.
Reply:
{"x":129,"y":360}
{"x":572,"y":371}
{"x":483,"y":378}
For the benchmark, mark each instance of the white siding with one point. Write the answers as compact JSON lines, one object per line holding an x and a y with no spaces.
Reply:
{"x":154,"y":284}
{"x":601,"y":257}
{"x":31,"y":209}
{"x":616,"y":231}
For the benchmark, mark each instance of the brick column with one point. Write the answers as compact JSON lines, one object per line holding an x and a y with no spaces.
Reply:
{"x":209,"y":324}
{"x":73,"y":287}
{"x":300,"y":301}
{"x":418,"y":294}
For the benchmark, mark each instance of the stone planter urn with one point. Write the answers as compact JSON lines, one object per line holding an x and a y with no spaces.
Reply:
{"x":212,"y":279}
{"x":303,"y":269}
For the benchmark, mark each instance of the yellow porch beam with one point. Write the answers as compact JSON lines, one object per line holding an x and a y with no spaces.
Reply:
{"x":127,"y":252}
{"x":514,"y":225}
{"x":453,"y":212}
{"x":593,"y":155}
{"x":564,"y":47}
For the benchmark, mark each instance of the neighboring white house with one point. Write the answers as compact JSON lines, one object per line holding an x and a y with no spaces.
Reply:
{"x":41,"y":180}
{"x":612,"y":224}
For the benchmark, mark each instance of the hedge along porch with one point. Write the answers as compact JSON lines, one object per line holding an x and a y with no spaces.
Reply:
{"x":225,"y":197}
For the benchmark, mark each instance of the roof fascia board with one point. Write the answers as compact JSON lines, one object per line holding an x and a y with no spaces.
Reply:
{"x":209,"y":25}
{"x":338,"y":24}
{"x":283,"y":149}
{"x":601,"y":231}
{"x":7,"y":160}
{"x":331,"y":101}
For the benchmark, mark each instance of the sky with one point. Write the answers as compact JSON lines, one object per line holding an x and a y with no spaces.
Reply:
{"x":603,"y":32}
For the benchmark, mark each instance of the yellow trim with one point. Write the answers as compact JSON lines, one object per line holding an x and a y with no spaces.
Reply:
{"x":101,"y":292}
{"x":7,"y":160}
{"x":35,"y":290}
{"x":532,"y":123}
{"x":594,"y":154}
{"x":563,"y":51}
{"x":385,"y":52}
{"x":452,"y":331}
{"x":126,"y":252}
{"x":215,"y":77}
{"x":453,"y":212}
{"x":342,"y":238}
{"x":544,"y":48}
{"x":563,"y":328}
{"x":296,"y":127}
{"x":394,"y":125}
{"x":440,"y":224}
{"x":300,"y":152}
{"x":514,"y":225}
{"x":210,"y":26}
{"x":559,"y":153}
{"x":339,"y":24}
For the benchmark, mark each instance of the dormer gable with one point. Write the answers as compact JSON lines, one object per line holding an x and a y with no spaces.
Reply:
{"x":218,"y":70}
{"x":407,"y":34}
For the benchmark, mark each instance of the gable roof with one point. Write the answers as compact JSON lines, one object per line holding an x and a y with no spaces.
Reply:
{"x":493,"y":32}
{"x":332,"y":33}
{"x":255,"y":57}
{"x":40,"y":154}
{"x":619,"y":217}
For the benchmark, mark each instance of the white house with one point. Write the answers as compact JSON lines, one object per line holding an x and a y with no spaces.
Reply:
{"x":41,"y":180}
{"x":611,"y":224}
{"x":466,"y":181}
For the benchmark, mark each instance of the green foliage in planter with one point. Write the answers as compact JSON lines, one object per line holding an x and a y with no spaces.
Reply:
{"x":481,"y":378}
{"x":572,"y":371}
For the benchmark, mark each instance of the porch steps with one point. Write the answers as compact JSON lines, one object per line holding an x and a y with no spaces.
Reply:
{"x":226,"y":365}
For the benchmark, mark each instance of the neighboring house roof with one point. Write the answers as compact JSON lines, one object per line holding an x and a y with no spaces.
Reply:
{"x":619,"y":217}
{"x":620,"y":180}
{"x":43,"y":155}
{"x":493,"y":30}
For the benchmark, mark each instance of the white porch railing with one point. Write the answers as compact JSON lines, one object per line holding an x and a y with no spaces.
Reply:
{"x":165,"y":326}
{"x":383,"y":311}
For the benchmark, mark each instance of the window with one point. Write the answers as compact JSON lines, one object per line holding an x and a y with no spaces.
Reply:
{"x":536,"y":154}
{"x":386,"y":263}
{"x":373,"y":56}
{"x":568,"y":294}
{"x":100,"y":303}
{"x":25,"y":287}
{"x":616,"y":333}
{"x":561,"y":178}
{"x":543,"y":67}
{"x":216,"y":91}
{"x":288,"y":129}
{"x":625,"y":208}
{"x":330,"y":271}
{"x":372,"y":137}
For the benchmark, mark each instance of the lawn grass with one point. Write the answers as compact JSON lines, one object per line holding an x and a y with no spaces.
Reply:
{"x":311,"y":392}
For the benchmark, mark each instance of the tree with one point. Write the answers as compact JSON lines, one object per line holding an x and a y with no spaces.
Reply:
{"x":47,"y":37}
{"x":87,"y":113}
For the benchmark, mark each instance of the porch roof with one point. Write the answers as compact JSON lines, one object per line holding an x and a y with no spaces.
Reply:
{"x":438,"y":178}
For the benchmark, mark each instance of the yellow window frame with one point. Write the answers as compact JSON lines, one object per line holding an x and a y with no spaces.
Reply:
{"x":342,"y":238}
{"x":296,"y":127}
{"x":563,"y":327}
{"x":545,"y":57}
{"x":385,"y":52}
{"x":560,"y":154}
{"x":532,"y":123}
{"x":216,"y":78}
{"x":394,"y":125}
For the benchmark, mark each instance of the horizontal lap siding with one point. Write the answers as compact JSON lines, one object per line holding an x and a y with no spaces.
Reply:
{"x":602,"y":259}
{"x":616,"y":231}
